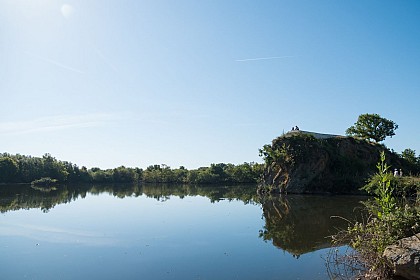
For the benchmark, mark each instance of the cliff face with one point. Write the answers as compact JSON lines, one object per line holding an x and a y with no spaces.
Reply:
{"x":304,"y":162}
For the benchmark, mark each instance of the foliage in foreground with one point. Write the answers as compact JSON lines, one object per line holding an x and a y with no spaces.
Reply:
{"x":390,"y":218}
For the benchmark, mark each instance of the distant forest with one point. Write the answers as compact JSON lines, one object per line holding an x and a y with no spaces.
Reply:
{"x":26,"y":169}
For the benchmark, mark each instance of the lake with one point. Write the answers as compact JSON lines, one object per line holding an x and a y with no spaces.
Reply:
{"x":166,"y":232}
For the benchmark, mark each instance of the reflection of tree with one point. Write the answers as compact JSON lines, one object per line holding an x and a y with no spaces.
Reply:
{"x":27,"y":197}
{"x":245,"y":193}
{"x":301,"y":224}
{"x":15,"y":197}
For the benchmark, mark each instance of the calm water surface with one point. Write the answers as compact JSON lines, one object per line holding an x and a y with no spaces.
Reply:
{"x":155,"y":232}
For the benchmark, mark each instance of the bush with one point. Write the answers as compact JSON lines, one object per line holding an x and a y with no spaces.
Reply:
{"x":45,"y":181}
{"x":389,"y":219}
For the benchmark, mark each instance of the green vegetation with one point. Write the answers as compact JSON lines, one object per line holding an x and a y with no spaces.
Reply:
{"x":27,"y":169}
{"x":391,"y":217}
{"x":295,"y":151}
{"x":412,"y":160}
{"x":300,"y":162}
{"x":45,"y":181}
{"x":372,"y":126}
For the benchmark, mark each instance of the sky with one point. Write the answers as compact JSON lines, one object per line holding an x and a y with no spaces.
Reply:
{"x":190,"y":83}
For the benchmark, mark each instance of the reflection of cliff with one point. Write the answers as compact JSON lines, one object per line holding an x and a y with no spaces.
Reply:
{"x":16,"y":197}
{"x":302,"y":224}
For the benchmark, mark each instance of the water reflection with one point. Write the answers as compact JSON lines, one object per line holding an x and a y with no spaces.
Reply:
{"x":296,"y":224}
{"x":55,"y":234}
{"x":16,"y":197}
{"x":301,"y":224}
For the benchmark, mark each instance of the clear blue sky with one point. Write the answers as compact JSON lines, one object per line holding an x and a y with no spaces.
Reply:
{"x":109,"y":83}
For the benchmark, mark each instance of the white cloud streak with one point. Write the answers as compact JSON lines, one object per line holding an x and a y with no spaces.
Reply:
{"x":56,"y":63}
{"x":53,"y":123}
{"x":105,"y":59}
{"x":264,"y":58}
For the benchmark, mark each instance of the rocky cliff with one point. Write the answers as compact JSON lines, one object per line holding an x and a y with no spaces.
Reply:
{"x":307,"y":162}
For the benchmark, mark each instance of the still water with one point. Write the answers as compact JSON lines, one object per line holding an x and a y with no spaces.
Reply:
{"x":172,"y":232}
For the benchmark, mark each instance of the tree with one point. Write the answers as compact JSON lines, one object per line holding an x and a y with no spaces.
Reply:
{"x":413,"y":161}
{"x":8,"y":169}
{"x":372,"y":126}
{"x":409,"y":155}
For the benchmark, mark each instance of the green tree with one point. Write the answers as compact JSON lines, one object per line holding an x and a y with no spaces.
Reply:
{"x":242,"y":173}
{"x":123,"y":174}
{"x":8,"y":169}
{"x":372,"y":126}
{"x":410,"y":156}
{"x":180,"y":175}
{"x":54,"y":169}
{"x":153,"y":174}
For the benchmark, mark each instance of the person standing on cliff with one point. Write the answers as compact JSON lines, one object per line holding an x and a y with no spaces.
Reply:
{"x":396,"y":172}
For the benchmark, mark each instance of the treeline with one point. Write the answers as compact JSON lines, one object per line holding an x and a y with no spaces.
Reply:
{"x":26,"y":169}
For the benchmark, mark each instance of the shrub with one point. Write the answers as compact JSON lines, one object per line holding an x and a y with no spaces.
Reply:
{"x":389,"y":219}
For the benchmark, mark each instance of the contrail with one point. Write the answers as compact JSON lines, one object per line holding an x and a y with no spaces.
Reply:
{"x":104,"y":58}
{"x":57,"y":122}
{"x":263,"y":58}
{"x":56,"y":63}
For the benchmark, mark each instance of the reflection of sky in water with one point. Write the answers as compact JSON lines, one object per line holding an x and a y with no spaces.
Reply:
{"x":104,"y":237}
{"x":55,"y":235}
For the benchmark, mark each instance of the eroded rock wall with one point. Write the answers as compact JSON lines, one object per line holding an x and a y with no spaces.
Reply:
{"x":303,"y":163}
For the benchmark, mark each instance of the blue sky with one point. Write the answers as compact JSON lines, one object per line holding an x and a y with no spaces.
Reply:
{"x":134,"y":83}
